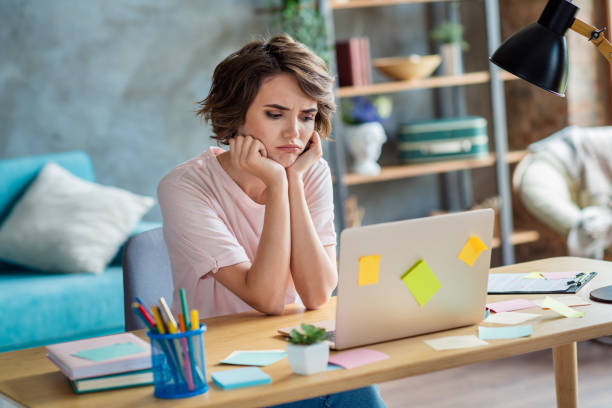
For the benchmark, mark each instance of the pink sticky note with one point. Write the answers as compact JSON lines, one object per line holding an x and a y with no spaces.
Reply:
{"x":357,"y":357}
{"x":559,"y":275}
{"x":510,"y":305}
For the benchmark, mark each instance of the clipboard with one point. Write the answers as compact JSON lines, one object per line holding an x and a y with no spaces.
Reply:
{"x":516,"y":283}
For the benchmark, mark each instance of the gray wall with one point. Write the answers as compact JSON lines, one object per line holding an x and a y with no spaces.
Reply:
{"x":119,"y":79}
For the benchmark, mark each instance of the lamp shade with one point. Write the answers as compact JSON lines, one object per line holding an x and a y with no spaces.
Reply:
{"x":538,"y":52}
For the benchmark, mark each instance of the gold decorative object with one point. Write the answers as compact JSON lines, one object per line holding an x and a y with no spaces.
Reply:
{"x":406,"y":68}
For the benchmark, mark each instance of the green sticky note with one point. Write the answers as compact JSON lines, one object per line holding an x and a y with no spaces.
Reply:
{"x":560,"y":308}
{"x":110,"y":352}
{"x":368,"y":270}
{"x":421,"y":282}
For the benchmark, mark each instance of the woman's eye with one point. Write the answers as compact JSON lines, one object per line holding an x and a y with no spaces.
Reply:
{"x":273,"y":115}
{"x":307,"y":118}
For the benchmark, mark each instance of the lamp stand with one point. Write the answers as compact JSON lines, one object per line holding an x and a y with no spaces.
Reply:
{"x":605,"y":48}
{"x":595,"y":36}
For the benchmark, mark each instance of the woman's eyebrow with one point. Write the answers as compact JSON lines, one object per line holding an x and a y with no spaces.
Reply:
{"x":284,"y":108}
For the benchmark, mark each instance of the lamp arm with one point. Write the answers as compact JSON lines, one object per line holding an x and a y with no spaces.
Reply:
{"x":595,"y":36}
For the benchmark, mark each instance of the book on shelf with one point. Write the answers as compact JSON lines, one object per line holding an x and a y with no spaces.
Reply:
{"x":113,"y":381}
{"x":99,"y":356}
{"x":353,"y":61}
{"x":365,"y":61}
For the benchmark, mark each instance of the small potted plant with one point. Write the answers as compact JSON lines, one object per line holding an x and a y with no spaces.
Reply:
{"x":308,"y":350}
{"x":365,"y":134}
{"x":450,"y":37}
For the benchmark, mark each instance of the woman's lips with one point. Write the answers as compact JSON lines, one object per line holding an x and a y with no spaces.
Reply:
{"x":289,"y":148}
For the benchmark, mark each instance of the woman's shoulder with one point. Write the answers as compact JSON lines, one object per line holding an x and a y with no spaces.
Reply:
{"x":319,"y":169}
{"x":196,"y":172}
{"x":318,"y":174}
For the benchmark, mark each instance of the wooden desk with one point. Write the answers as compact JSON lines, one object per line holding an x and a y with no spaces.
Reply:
{"x":29,"y":378}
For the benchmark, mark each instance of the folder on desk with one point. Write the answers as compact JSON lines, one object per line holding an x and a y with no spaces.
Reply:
{"x":516,"y":283}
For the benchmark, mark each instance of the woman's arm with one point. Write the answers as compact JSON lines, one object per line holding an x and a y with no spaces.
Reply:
{"x":313,"y":266}
{"x":262,"y":284}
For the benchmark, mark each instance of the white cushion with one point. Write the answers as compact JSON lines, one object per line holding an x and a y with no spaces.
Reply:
{"x":66,"y":224}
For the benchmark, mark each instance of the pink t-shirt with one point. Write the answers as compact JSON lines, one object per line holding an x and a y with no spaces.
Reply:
{"x":210,"y":223}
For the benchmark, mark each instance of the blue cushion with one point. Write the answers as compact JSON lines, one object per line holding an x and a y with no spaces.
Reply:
{"x":43,"y":308}
{"x":17,"y":174}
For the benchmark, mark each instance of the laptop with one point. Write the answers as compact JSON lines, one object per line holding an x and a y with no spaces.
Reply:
{"x":388,"y":310}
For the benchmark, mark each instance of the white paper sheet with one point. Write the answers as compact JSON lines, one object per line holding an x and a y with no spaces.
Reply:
{"x":455,"y":342}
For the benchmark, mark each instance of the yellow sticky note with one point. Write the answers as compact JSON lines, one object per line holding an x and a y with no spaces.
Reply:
{"x":421,"y":282}
{"x":471,"y":250}
{"x":368,"y":270}
{"x":533,"y":275}
{"x":560,"y":308}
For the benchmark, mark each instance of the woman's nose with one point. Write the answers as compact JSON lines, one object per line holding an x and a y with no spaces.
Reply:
{"x":292,"y":130}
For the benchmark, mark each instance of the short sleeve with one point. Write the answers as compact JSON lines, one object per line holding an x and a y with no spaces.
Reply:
{"x":320,"y":199}
{"x":195,"y":234}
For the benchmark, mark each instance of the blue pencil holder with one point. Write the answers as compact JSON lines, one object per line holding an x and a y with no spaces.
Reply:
{"x":178,"y":363}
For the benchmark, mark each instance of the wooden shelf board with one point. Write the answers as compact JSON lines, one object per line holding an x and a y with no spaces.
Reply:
{"x":421,"y":169}
{"x":374,"y":3}
{"x":518,"y":237}
{"x":439,"y":81}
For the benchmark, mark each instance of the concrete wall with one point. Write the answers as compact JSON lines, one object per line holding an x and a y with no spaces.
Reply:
{"x":116,"y":79}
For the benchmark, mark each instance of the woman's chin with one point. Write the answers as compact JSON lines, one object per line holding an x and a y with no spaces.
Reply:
{"x":285,"y":161}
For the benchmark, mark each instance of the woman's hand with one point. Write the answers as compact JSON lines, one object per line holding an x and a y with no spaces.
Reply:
{"x":250,"y":155}
{"x":309,"y":156}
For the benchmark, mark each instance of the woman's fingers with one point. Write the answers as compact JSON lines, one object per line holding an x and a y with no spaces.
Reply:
{"x":316,"y":142}
{"x":247,"y":141}
{"x":233,"y":149}
{"x":259,"y":148}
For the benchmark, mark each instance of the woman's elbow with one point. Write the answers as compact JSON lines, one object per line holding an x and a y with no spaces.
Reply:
{"x":316,"y":301}
{"x":270,"y":306}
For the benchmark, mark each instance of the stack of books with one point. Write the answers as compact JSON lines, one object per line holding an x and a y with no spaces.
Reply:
{"x":103,"y":363}
{"x":354,"y":62}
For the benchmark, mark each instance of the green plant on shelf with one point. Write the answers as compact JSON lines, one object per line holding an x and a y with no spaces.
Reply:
{"x":302,"y":20}
{"x":449,"y":32}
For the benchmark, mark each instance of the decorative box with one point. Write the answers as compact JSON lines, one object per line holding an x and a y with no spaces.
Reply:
{"x":448,"y":138}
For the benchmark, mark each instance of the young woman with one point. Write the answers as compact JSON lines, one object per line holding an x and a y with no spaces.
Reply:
{"x":252,"y":228}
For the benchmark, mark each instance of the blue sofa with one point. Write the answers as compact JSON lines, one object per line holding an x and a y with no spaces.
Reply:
{"x":39,"y":308}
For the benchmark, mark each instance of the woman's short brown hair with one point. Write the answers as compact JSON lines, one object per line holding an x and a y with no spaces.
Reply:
{"x":238,"y":77}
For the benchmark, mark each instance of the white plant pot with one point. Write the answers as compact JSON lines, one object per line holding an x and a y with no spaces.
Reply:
{"x":452,"y":59}
{"x":365,"y":141}
{"x":309,"y":359}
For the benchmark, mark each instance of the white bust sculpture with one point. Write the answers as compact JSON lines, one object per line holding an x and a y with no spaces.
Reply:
{"x":364,"y":142}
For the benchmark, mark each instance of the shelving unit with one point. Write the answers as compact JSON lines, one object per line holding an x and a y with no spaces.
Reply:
{"x":422,"y":169}
{"x":501,"y":158}
{"x":471,"y":78}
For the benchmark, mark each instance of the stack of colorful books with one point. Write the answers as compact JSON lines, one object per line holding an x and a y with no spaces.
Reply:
{"x":103,"y":363}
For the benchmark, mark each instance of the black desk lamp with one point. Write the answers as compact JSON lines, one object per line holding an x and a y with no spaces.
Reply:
{"x":538,"y":54}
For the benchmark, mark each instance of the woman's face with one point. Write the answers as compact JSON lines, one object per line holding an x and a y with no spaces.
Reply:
{"x":282,"y":118}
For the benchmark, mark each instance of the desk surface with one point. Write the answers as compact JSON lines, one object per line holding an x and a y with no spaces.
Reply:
{"x":30,"y":379}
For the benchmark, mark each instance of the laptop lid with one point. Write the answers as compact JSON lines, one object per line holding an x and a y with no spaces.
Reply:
{"x":387,"y":309}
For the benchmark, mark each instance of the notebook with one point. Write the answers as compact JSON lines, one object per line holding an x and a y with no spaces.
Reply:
{"x":376,"y":304}
{"x":99,"y":356}
{"x":113,"y":381}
